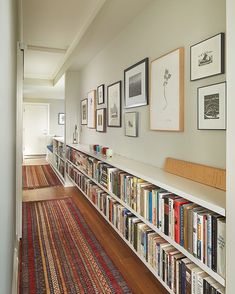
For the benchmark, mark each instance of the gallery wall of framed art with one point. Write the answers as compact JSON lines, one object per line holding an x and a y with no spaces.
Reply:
{"x":134,"y":58}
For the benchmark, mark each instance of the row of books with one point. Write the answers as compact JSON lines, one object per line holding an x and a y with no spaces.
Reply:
{"x":198,"y":230}
{"x":180,"y":274}
{"x":58,"y":147}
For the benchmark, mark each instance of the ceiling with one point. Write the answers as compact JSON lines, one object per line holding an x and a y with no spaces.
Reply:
{"x":65,"y":34}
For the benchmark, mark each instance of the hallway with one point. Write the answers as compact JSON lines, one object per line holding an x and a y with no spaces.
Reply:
{"x":137,"y":276}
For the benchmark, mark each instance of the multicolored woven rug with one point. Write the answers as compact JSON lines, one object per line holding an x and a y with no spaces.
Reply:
{"x":60,"y":254}
{"x":39,"y":176}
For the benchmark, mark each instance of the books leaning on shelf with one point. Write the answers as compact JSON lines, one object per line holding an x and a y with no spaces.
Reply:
{"x":200,"y":231}
{"x":179,"y":273}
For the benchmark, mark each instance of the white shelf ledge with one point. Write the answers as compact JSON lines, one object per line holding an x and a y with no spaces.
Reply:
{"x":208,"y":197}
{"x":203,"y":266}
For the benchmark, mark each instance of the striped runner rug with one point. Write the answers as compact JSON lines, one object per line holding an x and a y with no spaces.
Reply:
{"x":60,"y":254}
{"x":39,"y":176}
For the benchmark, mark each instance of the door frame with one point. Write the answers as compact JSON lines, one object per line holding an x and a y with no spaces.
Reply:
{"x":48,"y":116}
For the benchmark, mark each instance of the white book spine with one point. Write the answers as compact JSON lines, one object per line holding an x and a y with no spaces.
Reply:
{"x":199,"y":285}
{"x":221,"y":247}
{"x":162,"y":214}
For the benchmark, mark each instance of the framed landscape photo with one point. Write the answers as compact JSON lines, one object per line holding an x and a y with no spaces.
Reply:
{"x":101,"y":120}
{"x":212,"y":107}
{"x":91,"y":107}
{"x":114,"y":104}
{"x":136,"y":84}
{"x":61,"y":118}
{"x":131,"y":124}
{"x":100,"y":94}
{"x":167,"y":92}
{"x":207,"y":57}
{"x":84,"y":112}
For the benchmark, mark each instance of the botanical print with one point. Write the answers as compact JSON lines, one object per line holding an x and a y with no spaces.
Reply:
{"x":167,"y":76}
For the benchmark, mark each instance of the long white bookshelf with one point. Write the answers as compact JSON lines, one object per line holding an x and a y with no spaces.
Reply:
{"x":125,"y":240}
{"x":203,"y":266}
{"x":208,"y":197}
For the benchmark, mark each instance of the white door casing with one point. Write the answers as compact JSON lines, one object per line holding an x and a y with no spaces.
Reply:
{"x":35,"y":128}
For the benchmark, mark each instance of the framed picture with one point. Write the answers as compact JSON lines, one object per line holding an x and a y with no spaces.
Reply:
{"x":167,"y":92}
{"x":212,"y":107}
{"x":131,"y":124}
{"x":207,"y":57}
{"x":114,"y":104}
{"x":91,"y":107}
{"x":101,"y":120}
{"x":84,"y":112}
{"x":61,"y":118}
{"x":136,"y":84}
{"x":100,"y":94}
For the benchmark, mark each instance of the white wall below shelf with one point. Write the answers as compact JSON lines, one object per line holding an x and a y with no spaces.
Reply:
{"x":208,"y":197}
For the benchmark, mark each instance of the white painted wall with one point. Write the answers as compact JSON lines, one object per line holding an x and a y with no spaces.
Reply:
{"x":56,"y":106}
{"x":71,"y":103}
{"x":159,"y":28}
{"x":7,"y":147}
{"x":230,"y":197}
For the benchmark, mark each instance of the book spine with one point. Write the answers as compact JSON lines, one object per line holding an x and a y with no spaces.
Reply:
{"x":209,"y":240}
{"x":150,"y":217}
{"x":166,"y":216}
{"x":214,"y":243}
{"x":177,"y":223}
{"x":182,"y":225}
{"x":221,"y":256}
{"x":199,"y":285}
{"x":195,"y":234}
{"x":200,"y":237}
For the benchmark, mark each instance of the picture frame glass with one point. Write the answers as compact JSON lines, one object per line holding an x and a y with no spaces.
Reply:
{"x":212,"y":107}
{"x":84,"y":112}
{"x":114,"y":105}
{"x":101,"y":120}
{"x":131,"y":124}
{"x":136,"y":84}
{"x":207,"y":57}
{"x":91,"y":107}
{"x":166,"y":107}
{"x":61,"y":118}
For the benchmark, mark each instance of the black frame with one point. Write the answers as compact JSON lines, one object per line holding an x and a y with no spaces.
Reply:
{"x":86,"y":112}
{"x":146,"y":61}
{"x":222,"y":65}
{"x":120,"y":87}
{"x":104,"y":119}
{"x":103,"y":96}
{"x":225,"y":102}
{"x":59,"y":115}
{"x":137,"y":124}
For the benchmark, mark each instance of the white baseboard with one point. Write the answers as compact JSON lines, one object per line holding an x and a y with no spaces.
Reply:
{"x":15,"y":269}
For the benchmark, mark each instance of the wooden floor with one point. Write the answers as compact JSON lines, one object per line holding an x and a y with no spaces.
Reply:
{"x":138,"y":277}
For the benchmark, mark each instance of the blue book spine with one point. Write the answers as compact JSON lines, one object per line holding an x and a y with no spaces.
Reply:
{"x":150,"y":207}
{"x":209,"y":240}
{"x":182,"y":225}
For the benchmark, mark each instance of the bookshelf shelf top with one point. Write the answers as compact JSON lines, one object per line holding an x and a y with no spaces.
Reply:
{"x":59,"y":139}
{"x":208,"y":197}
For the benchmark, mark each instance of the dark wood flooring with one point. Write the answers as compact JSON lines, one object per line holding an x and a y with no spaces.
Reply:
{"x":138,"y":277}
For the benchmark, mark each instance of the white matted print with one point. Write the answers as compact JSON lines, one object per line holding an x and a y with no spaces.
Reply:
{"x":131,"y":124}
{"x":136,"y":84}
{"x":212,"y":107}
{"x":114,"y":105}
{"x":167,"y":92}
{"x":101,"y":120}
{"x":84,"y":112}
{"x":207,"y":57}
{"x":91,"y":106}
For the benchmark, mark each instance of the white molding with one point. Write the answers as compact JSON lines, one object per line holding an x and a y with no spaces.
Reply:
{"x":66,"y":61}
{"x":46,"y":49}
{"x":38,"y":82}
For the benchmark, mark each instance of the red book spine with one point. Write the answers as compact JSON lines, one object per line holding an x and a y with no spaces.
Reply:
{"x":177,"y":205}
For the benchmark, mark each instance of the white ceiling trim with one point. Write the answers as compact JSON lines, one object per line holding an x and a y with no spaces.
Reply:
{"x":46,"y":49}
{"x":65,"y":63}
{"x":38,"y":82}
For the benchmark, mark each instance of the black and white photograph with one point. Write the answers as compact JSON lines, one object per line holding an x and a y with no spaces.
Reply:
{"x":212,"y":107}
{"x":100,"y":94}
{"x":84,"y":112}
{"x":136,"y":84}
{"x":131,"y":124}
{"x":101,"y":120}
{"x":61,"y":118}
{"x":207,"y":57}
{"x":114,"y":104}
